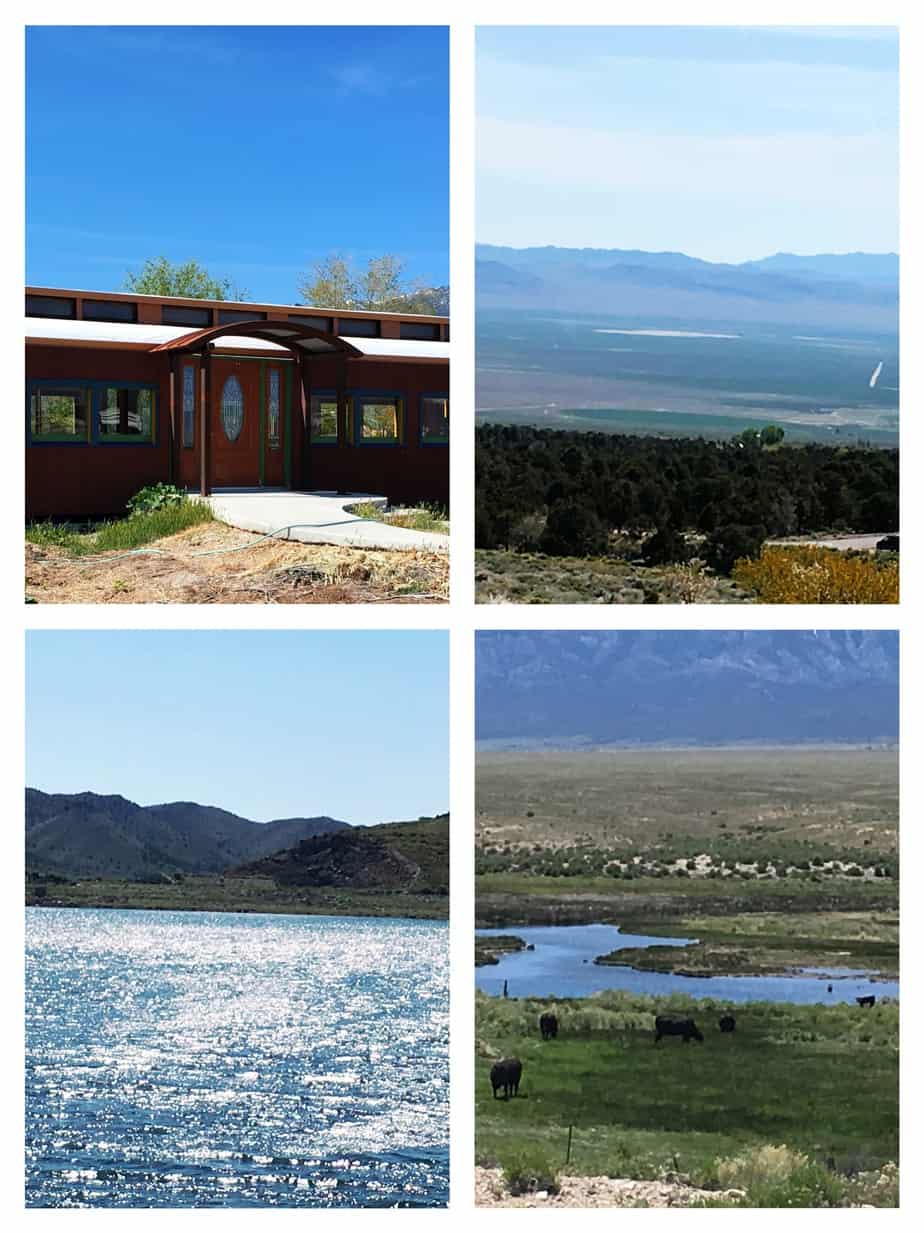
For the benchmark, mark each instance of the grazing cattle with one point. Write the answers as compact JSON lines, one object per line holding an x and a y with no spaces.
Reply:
{"x":727,"y":1023}
{"x":867,"y":1001}
{"x":548,"y":1025}
{"x":506,"y":1075}
{"x":667,"y":1025}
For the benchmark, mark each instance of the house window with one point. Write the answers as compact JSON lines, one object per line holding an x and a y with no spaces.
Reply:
{"x":421,"y":331}
{"x":317,"y":323}
{"x":232,"y":408}
{"x":183,"y":314}
{"x":324,"y":419}
{"x":227,"y":315}
{"x":434,"y":419}
{"x":189,"y":405}
{"x":60,"y":413}
{"x":110,"y":310}
{"x":126,"y":414}
{"x":380,"y":419}
{"x":359,"y":328}
{"x":50,"y":306}
{"x":272,"y":410}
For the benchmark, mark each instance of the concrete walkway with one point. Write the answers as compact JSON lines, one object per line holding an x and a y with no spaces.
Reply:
{"x":317,"y":518}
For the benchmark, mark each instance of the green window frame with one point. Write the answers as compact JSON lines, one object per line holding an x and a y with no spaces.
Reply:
{"x":127,"y":414}
{"x":61,"y":412}
{"x":323,"y":426}
{"x":434,"y":419}
{"x":380,"y":419}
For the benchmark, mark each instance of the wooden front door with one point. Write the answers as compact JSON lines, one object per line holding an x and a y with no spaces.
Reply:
{"x":235,"y":423}
{"x":274,"y":396}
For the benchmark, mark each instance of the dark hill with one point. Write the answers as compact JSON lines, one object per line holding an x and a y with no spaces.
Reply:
{"x":396,"y":856}
{"x":87,"y":835}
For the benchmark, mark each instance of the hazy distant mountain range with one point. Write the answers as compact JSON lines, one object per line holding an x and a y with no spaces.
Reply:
{"x":848,"y":290}
{"x":88,"y":835}
{"x":693,"y":687}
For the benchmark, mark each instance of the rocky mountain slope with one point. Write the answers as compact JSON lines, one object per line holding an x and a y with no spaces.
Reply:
{"x":405,"y":856}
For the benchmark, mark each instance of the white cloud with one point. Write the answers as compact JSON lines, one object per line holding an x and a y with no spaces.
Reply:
{"x":727,"y":198}
{"x":809,"y":169}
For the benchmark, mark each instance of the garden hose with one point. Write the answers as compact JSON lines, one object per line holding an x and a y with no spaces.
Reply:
{"x":208,"y":552}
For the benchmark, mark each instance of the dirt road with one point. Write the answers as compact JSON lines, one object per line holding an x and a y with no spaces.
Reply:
{"x":860,"y":543}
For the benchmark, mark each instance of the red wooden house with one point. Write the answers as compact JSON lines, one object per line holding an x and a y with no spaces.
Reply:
{"x":126,"y":390}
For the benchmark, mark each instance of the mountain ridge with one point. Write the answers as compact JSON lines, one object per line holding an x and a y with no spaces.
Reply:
{"x":89,"y":834}
{"x":834,"y":289}
{"x":702,"y":687}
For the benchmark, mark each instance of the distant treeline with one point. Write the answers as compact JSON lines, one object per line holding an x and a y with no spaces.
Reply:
{"x":563,"y":493}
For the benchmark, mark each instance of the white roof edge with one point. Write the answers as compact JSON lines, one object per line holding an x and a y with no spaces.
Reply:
{"x":257,"y":304}
{"x":61,"y":329}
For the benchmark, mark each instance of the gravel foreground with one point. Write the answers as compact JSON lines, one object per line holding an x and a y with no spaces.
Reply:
{"x":594,"y":1192}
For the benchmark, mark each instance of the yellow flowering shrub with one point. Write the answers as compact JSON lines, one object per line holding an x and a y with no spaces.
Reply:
{"x":807,"y":575}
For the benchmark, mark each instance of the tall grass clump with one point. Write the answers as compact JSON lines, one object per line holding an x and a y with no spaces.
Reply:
{"x":423,"y":517}
{"x":809,"y":575}
{"x":156,"y":524}
{"x":526,"y":1172}
{"x":777,"y":1176}
{"x":123,"y":534}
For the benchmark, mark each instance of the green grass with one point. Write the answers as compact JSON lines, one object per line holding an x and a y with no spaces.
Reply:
{"x":520,"y":899}
{"x":488,"y":950}
{"x":763,"y":944}
{"x":120,"y":534}
{"x":425,"y":517}
{"x":822,"y":1080}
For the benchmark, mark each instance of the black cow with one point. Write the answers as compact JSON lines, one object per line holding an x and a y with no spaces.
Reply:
{"x":506,"y":1074}
{"x":548,"y":1025}
{"x":667,"y":1025}
{"x":727,"y":1023}
{"x":867,"y":1001}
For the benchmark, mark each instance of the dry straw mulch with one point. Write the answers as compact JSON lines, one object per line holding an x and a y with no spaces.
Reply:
{"x":271,"y":572}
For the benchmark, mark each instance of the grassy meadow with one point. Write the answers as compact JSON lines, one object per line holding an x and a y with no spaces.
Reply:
{"x":773,"y":859}
{"x":821,"y":1080}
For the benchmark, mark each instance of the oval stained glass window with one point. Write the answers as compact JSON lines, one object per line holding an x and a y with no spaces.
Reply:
{"x":232,"y":408}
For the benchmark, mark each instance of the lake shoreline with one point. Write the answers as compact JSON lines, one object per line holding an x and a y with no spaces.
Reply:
{"x":438,"y":912}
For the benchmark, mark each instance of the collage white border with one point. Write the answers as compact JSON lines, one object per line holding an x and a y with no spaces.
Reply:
{"x":461,"y":616}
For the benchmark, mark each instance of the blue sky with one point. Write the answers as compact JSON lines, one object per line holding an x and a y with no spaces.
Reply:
{"x":727,"y":143}
{"x":254,"y":150}
{"x":352,"y":724}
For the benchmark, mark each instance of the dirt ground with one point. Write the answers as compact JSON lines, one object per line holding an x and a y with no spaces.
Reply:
{"x":169,"y":571}
{"x":592,"y":1192}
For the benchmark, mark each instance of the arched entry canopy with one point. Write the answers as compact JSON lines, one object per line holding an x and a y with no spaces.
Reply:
{"x":303,"y":341}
